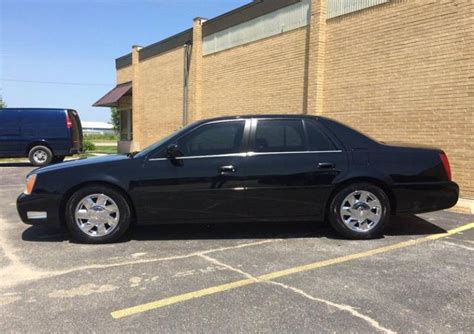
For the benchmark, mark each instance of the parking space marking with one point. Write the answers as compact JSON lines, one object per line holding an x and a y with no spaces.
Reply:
{"x":277,"y":274}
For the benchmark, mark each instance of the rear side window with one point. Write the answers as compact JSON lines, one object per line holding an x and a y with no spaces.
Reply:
{"x":213,"y":139}
{"x":317,"y":141}
{"x":279,"y":135}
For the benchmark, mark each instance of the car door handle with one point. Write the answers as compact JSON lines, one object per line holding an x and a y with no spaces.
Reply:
{"x":326,"y":165}
{"x":226,"y":169}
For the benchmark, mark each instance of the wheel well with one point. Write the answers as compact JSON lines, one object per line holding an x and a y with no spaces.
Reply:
{"x":70,"y":192}
{"x":382,"y":185}
{"x":38,"y":143}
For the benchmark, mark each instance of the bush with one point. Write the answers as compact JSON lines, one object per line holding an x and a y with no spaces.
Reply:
{"x":88,"y":146}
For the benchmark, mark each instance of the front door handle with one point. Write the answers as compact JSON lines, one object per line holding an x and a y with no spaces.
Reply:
{"x":326,"y":165}
{"x":226,"y":169}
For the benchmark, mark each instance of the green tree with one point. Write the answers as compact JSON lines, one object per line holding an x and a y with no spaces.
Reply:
{"x":2,"y":103}
{"x":115,"y":119}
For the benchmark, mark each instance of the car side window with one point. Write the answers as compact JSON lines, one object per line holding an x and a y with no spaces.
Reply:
{"x":213,"y":139}
{"x":280,"y":135}
{"x":317,"y":140}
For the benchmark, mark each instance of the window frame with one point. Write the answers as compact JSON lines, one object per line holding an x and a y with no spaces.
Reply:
{"x":253,"y":131}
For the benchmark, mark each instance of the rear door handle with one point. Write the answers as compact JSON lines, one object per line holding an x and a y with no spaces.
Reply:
{"x":226,"y":169}
{"x":326,"y":165}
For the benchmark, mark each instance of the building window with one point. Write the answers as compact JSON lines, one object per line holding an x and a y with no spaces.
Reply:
{"x":126,"y":125}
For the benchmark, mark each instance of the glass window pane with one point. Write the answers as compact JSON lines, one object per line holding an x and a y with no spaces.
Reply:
{"x":317,"y":140}
{"x":279,"y":136}
{"x":211,"y":139}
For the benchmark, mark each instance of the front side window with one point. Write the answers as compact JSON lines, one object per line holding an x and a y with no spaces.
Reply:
{"x":213,"y":139}
{"x":279,"y":135}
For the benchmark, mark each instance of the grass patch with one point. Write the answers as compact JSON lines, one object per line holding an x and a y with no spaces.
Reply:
{"x":96,"y":137}
{"x":105,"y":149}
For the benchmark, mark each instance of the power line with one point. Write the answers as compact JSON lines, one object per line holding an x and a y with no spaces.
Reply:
{"x":57,"y":82}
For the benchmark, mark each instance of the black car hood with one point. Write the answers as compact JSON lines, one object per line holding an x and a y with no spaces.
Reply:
{"x":81,"y":163}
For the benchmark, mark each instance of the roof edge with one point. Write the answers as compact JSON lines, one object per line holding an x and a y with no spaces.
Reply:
{"x":243,"y":14}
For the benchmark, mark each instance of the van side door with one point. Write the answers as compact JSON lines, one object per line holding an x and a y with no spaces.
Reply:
{"x":10,"y":141}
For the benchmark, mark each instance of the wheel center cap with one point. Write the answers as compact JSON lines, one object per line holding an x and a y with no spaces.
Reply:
{"x":361,"y":209}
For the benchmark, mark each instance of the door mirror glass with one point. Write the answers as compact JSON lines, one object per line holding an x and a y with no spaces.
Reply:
{"x":173,"y":151}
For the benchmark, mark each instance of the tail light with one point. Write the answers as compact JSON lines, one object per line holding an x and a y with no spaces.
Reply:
{"x":447,"y":167}
{"x":68,"y":121}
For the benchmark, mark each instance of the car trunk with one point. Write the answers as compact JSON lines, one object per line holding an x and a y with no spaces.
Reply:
{"x":76,"y":130}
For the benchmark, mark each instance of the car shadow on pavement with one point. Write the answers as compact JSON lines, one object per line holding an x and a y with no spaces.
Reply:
{"x":399,"y":225}
{"x":15,"y":164}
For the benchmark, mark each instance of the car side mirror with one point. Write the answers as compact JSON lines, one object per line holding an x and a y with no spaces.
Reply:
{"x":173,"y":151}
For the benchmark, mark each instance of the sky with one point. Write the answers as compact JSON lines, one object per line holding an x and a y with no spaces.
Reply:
{"x":61,"y":53}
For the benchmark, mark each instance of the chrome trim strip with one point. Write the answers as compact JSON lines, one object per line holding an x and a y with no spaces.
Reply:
{"x":291,"y":152}
{"x":243,"y":155}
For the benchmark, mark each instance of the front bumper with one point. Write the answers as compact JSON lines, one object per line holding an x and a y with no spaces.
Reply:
{"x":425,"y":197}
{"x":38,"y":209}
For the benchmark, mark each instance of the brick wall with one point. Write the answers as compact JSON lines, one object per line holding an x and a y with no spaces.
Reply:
{"x":404,"y":72}
{"x":161,"y":96}
{"x":124,"y":74}
{"x":267,"y":76}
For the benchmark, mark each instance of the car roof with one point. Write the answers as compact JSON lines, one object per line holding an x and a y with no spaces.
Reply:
{"x":223,"y":118}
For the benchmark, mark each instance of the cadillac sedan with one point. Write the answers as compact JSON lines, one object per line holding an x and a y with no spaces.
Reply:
{"x":243,"y":169}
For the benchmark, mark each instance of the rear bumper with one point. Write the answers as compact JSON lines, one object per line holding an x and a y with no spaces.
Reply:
{"x":425,"y":197}
{"x":39,"y":209}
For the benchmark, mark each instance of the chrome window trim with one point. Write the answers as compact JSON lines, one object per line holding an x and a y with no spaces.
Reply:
{"x":247,"y":154}
{"x":292,"y":152}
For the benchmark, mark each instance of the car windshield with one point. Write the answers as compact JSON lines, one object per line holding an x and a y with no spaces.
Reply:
{"x":154,"y":146}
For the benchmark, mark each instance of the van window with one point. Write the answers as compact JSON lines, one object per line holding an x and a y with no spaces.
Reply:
{"x":280,"y":135}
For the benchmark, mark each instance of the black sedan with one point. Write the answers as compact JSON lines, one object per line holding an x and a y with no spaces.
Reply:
{"x":243,"y":169}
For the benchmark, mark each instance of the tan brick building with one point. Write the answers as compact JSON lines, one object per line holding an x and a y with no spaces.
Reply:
{"x":396,"y":70}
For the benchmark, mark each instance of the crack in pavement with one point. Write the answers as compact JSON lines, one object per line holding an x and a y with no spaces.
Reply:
{"x":347,"y":308}
{"x":18,"y":272}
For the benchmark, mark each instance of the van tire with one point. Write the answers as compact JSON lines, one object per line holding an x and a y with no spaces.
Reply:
{"x":40,"y":155}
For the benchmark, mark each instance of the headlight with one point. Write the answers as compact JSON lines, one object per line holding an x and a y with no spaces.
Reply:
{"x":30,"y":183}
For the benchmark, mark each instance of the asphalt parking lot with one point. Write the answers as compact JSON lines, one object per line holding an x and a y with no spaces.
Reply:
{"x":292,"y":277}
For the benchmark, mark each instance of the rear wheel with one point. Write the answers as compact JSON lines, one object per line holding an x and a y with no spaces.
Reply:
{"x":360,"y":211}
{"x":97,"y":214}
{"x":40,"y":155}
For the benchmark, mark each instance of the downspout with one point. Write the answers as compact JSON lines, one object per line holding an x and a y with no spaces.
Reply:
{"x":187,"y":58}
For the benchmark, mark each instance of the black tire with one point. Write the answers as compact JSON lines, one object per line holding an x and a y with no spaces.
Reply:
{"x":124,"y":219}
{"x":40,"y":155}
{"x":58,"y":158}
{"x":335,"y":212}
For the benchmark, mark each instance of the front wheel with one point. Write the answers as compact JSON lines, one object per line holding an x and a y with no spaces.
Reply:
{"x":360,"y":211}
{"x":97,"y":214}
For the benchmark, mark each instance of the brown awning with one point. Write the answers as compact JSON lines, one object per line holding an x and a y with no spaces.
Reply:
{"x":111,"y":98}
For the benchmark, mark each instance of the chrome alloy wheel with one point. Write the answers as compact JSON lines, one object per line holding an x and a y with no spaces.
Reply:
{"x":361,"y":211}
{"x":97,"y":215}
{"x":40,"y":156}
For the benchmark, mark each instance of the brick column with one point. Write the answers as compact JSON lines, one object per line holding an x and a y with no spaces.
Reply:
{"x":195,"y":73}
{"x":136,"y":100}
{"x":316,"y":58}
